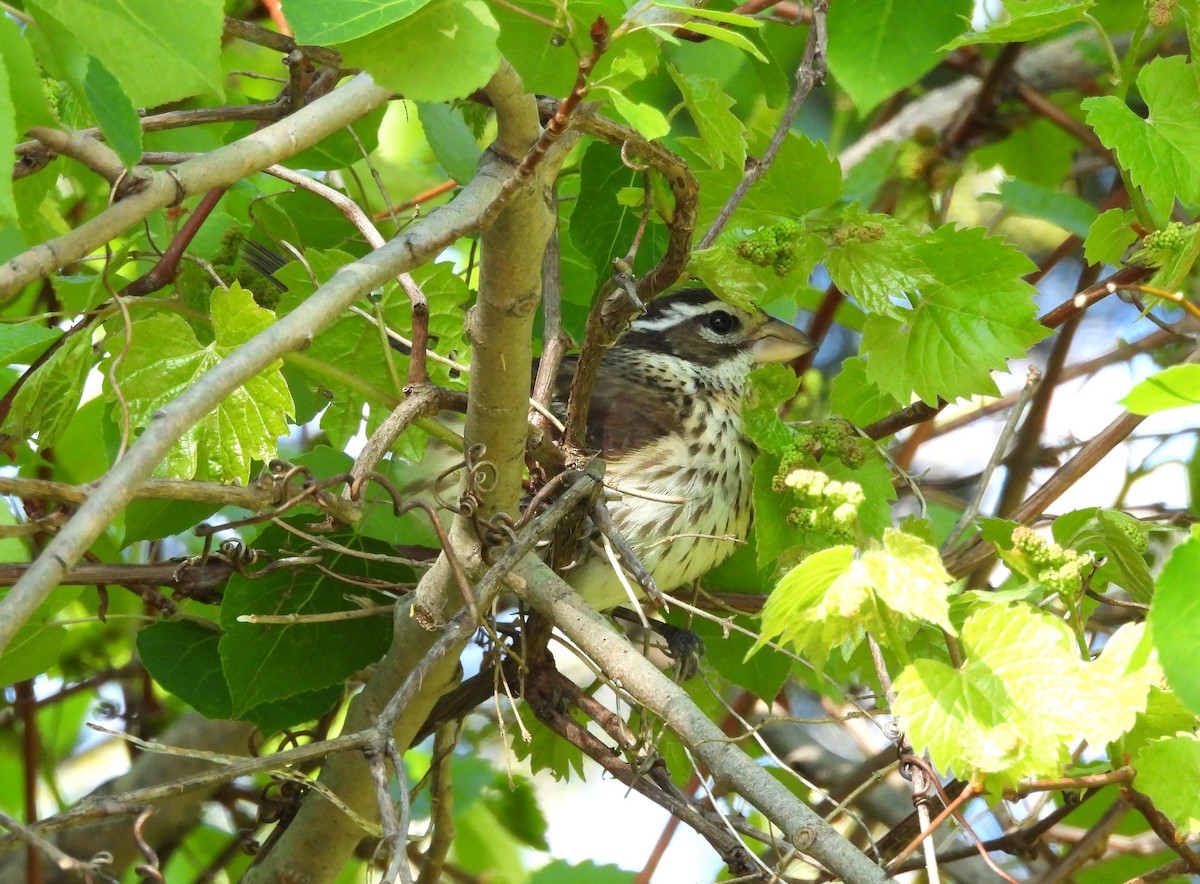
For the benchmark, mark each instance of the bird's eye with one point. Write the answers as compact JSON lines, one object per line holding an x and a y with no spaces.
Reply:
{"x":720,"y":322}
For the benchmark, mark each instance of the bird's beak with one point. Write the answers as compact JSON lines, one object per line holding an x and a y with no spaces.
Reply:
{"x":777,"y":341}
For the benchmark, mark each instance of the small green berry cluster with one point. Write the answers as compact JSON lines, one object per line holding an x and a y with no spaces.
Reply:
{"x":1160,"y":246}
{"x":821,"y":439}
{"x":825,"y":505}
{"x":1059,"y":570}
{"x":870,"y":231}
{"x":773,"y":246}
{"x":1159,"y":12}
{"x":1134,"y":532}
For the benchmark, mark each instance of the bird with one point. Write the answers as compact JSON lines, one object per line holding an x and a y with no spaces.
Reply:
{"x":666,"y":418}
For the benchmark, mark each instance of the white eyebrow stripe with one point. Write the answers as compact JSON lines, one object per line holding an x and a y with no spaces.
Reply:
{"x":676,"y":314}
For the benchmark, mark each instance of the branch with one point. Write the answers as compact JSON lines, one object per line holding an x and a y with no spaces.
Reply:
{"x":730,"y":766}
{"x":418,"y":244}
{"x":107,"y":811}
{"x":422,"y":664}
{"x":220,"y":168}
{"x":1047,"y":68}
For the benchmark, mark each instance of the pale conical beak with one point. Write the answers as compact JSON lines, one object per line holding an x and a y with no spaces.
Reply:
{"x":777,"y":341}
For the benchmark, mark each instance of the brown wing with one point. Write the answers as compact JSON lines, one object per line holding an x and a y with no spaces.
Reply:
{"x":625,"y":414}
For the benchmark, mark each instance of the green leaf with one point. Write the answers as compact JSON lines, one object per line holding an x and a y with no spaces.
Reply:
{"x":410,"y":55}
{"x":879,"y":46}
{"x":721,"y":132}
{"x":547,"y":751}
{"x":451,"y":140}
{"x":166,"y":358}
{"x":831,"y":597}
{"x":322,"y":22}
{"x":856,"y":399}
{"x":814,"y":604}
{"x":1163,"y":766}
{"x":38,"y":645}
{"x":1175,"y":621}
{"x":1193,"y":475}
{"x":724,"y":35}
{"x":1109,"y":237}
{"x":156,"y":519}
{"x":607,"y":227}
{"x":1066,"y":210}
{"x":182,"y":656}
{"x":586,"y":872}
{"x":875,"y":260}
{"x":1023,"y":696}
{"x":645,"y":118}
{"x":343,"y":148}
{"x":156,"y":58}
{"x":729,"y":18}
{"x":274,"y":716}
{"x":114,"y":112}
{"x":27,"y":94}
{"x":770,"y":386}
{"x":47,"y":401}
{"x":978,"y":315}
{"x":728,"y":652}
{"x":264,"y":663}
{"x":1027,"y":20}
{"x":1040,"y":153}
{"x":1119,"y":537}
{"x":1173,"y":387}
{"x":775,"y":195}
{"x":22,"y":102}
{"x":907,"y":575}
{"x":23,"y":342}
{"x":1165,"y":715}
{"x":1161,"y":152}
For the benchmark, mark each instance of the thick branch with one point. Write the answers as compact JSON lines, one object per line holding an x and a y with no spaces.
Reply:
{"x":317,"y":843}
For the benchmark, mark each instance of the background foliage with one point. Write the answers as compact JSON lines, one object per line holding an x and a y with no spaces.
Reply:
{"x":973,"y":193}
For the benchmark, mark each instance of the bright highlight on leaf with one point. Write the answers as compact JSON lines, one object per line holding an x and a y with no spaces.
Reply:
{"x":832,"y":597}
{"x":1023,"y":697}
{"x":1173,"y":387}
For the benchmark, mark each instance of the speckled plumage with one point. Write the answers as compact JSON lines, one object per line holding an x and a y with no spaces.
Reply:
{"x":666,"y":417}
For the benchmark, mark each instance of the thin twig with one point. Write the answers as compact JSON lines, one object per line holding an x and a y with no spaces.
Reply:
{"x":1033,"y":380}
{"x":811,"y":73}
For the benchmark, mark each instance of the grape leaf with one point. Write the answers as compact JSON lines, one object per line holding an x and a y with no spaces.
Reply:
{"x":166,"y":358}
{"x":879,"y":46}
{"x":978,"y":315}
{"x":1161,"y":152}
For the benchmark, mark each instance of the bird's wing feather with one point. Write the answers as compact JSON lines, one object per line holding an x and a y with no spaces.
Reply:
{"x":625,"y":414}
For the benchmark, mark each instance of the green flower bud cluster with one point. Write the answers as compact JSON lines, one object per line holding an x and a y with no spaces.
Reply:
{"x":835,"y":438}
{"x":1160,"y":246}
{"x":773,"y":246}
{"x":871,"y":231}
{"x":825,"y":505}
{"x":1134,"y":533}
{"x":1059,"y":570}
